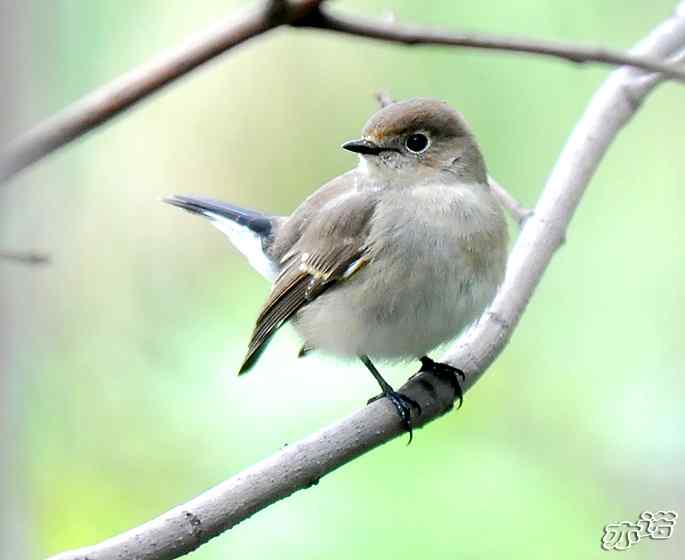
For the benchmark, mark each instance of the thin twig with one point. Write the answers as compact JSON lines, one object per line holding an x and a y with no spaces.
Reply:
{"x":384,"y":98}
{"x":28,"y":257}
{"x":519,"y":212}
{"x":108,"y":101}
{"x":393,"y":31}
{"x":302,"y":464}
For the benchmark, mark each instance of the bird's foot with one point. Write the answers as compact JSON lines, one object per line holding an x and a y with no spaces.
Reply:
{"x":447,"y":373}
{"x":404,"y":405}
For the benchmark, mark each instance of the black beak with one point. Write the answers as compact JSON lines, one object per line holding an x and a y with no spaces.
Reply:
{"x":362,"y":146}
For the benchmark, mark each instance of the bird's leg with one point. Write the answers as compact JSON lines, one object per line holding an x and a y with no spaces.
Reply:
{"x":445,"y":372}
{"x":403,"y":404}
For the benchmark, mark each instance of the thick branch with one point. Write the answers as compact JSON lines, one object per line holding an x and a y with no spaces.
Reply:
{"x":300,"y":465}
{"x":105,"y":103}
{"x":612,"y":106}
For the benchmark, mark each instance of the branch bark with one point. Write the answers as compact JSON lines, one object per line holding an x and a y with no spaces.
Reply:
{"x":110,"y":100}
{"x":107,"y":102}
{"x":302,"y":464}
{"x":391,"y":31}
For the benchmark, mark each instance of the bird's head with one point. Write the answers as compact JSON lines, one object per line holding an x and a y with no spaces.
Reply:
{"x":411,"y":141}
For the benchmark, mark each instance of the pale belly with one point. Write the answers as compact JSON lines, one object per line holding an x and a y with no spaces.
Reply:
{"x":432,"y":273}
{"x":394,"y":309}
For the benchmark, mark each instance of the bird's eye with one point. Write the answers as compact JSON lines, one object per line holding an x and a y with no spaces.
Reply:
{"x":416,"y":143}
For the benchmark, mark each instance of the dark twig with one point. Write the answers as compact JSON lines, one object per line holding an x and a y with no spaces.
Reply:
{"x":24,"y":257}
{"x":395,"y":32}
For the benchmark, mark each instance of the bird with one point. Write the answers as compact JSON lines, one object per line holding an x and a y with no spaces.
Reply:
{"x":386,"y":261}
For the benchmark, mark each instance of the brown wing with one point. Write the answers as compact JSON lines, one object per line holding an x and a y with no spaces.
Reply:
{"x":330,"y":247}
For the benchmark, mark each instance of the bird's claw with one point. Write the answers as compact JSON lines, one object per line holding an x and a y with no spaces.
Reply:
{"x":447,"y":373}
{"x":403,"y":405}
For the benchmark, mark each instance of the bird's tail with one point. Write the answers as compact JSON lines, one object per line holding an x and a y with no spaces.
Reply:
{"x":250,"y":231}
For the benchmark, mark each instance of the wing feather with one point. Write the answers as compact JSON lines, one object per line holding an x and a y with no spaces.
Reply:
{"x":326,"y":245}
{"x":290,"y":294}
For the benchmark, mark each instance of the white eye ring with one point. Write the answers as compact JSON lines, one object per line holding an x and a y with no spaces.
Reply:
{"x":417,"y":143}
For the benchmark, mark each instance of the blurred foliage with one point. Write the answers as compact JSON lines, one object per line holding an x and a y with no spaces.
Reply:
{"x":123,"y":351}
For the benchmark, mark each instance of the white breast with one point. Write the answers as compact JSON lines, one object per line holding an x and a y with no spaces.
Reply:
{"x":421,"y":288}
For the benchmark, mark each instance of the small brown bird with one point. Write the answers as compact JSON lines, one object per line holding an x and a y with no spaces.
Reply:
{"x":386,"y":261}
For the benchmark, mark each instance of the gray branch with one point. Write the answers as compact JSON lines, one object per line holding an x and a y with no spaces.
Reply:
{"x":110,"y":100}
{"x":519,"y":212}
{"x":303,"y":463}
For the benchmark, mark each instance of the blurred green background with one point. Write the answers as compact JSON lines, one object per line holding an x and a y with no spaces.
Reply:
{"x":117,"y":383}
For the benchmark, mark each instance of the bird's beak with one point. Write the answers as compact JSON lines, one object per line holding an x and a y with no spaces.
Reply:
{"x":363,"y":146}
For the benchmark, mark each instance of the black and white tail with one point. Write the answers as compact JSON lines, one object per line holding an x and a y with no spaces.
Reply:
{"x":250,"y":231}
